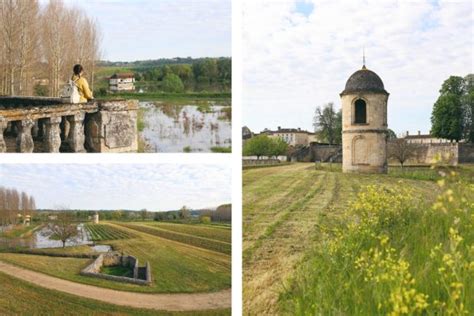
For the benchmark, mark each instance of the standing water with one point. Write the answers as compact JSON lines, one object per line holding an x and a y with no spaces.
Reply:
{"x":200,"y":127}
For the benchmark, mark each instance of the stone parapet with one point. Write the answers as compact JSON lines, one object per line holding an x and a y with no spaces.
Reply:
{"x":96,"y":126}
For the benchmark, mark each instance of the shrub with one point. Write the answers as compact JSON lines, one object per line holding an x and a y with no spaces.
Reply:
{"x":172,"y":83}
{"x":205,"y":219}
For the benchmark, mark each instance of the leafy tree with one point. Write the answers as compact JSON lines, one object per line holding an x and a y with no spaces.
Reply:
{"x":160,"y":216}
{"x":144,"y":214}
{"x":452,"y":116}
{"x":172,"y":83}
{"x":258,"y":146}
{"x":278,"y":147}
{"x":468,"y":108}
{"x":328,"y":123}
{"x":391,"y":134}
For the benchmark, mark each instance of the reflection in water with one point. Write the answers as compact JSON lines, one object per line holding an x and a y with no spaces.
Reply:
{"x":41,"y":239}
{"x":178,"y":128}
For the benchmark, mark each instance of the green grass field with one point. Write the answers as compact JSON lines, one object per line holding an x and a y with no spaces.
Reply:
{"x":291,"y":214}
{"x":22,"y":298}
{"x":203,"y":237}
{"x":176,"y":267}
{"x":222,"y":233}
{"x":99,"y":232}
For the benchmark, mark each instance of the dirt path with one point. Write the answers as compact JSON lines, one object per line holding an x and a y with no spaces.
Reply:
{"x":162,"y":302}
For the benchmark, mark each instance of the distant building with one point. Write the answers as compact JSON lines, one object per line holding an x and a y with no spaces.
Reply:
{"x":122,"y":82}
{"x":292,"y":136}
{"x":424,"y":139}
{"x":95,"y":218}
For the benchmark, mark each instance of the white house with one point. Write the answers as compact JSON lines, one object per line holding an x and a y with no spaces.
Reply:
{"x":122,"y":82}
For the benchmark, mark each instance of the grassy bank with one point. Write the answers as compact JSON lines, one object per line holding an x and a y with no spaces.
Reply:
{"x":177,"y":97}
{"x":22,"y":298}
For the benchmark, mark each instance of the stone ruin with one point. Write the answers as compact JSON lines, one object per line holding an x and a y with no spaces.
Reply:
{"x":38,"y":124}
{"x":141,"y":275}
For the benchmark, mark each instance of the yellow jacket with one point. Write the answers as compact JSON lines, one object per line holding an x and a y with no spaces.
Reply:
{"x":83,"y":87}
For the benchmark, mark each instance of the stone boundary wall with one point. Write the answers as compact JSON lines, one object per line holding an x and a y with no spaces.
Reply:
{"x":326,"y":153}
{"x":112,"y":259}
{"x":450,"y":153}
{"x":466,"y":153}
{"x":260,"y":162}
{"x":318,"y":152}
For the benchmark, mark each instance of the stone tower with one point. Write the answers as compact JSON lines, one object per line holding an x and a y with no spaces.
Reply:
{"x":364,"y":123}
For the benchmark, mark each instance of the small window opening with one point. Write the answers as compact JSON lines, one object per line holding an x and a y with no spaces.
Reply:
{"x":360,"y":112}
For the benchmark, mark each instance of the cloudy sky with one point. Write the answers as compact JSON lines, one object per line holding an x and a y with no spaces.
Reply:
{"x":298,"y":55}
{"x":121,"y":186}
{"x":152,"y":29}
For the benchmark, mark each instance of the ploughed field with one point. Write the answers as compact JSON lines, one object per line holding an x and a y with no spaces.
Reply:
{"x":312,"y":237}
{"x":179,"y":265}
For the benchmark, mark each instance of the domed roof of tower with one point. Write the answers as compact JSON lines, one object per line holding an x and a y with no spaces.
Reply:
{"x":364,"y":80}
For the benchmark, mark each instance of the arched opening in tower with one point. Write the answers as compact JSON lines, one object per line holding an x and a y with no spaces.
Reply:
{"x":360,"y":112}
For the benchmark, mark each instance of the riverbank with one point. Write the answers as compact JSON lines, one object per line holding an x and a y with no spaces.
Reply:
{"x":175,"y":97}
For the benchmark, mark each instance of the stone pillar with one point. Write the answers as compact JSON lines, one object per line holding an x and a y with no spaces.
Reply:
{"x":3,"y":126}
{"x":24,"y":141}
{"x":52,"y":135}
{"x":35,"y":130}
{"x":76,"y":136}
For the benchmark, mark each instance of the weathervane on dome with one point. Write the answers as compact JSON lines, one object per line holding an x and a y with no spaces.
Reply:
{"x":363,"y":58}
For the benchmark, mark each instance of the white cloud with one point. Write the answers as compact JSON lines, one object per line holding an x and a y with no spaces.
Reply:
{"x":121,"y":186}
{"x":152,"y":29}
{"x":293,"y":63}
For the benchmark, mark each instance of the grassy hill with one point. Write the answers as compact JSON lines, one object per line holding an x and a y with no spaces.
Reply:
{"x":312,"y":238}
{"x":177,"y":265}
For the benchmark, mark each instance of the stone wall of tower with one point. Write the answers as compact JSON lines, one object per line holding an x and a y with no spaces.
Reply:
{"x":364,"y":146}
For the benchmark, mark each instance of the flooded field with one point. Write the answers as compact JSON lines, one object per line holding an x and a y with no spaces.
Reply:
{"x":40,"y":239}
{"x":199,"y":127}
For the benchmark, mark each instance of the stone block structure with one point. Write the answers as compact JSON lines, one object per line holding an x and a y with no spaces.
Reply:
{"x":40,"y":124}
{"x":141,"y":275}
{"x":364,"y":123}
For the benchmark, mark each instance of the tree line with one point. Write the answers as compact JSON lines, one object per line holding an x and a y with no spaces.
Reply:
{"x":14,"y":202}
{"x":40,"y":45}
{"x":199,"y":74}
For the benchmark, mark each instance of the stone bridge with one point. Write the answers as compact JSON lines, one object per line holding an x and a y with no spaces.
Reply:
{"x":38,"y":124}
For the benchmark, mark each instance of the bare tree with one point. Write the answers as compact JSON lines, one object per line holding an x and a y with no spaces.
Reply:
{"x":184,"y":213}
{"x":32,"y":205}
{"x":28,"y":48}
{"x":401,"y":150}
{"x":64,"y":228}
{"x":44,"y":43}
{"x":25,"y":204}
